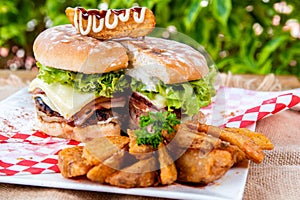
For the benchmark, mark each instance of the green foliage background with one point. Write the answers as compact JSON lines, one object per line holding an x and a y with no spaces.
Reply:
{"x":223,"y":27}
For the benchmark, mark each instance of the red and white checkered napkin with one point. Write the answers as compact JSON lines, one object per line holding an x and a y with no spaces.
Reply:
{"x":266,"y":108}
{"x":22,"y":150}
{"x":31,"y":153}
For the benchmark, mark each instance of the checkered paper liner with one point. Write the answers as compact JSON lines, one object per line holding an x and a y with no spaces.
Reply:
{"x":266,"y":108}
{"x":22,"y":149}
{"x":25,"y":151}
{"x":31,"y":153}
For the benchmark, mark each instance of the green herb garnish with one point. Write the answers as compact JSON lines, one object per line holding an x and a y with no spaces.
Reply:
{"x":152,"y":125}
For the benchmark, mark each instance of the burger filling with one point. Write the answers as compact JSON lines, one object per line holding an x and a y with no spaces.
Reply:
{"x":187,"y":97}
{"x":75,"y":98}
{"x":45,"y":113}
{"x":140,"y":105}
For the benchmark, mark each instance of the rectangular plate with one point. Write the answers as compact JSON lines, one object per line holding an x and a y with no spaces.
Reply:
{"x":230,"y":186}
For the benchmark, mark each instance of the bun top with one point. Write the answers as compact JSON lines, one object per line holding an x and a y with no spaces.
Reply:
{"x":167,"y":60}
{"x":62,"y":47}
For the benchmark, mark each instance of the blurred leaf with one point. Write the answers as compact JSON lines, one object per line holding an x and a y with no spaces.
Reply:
{"x":221,"y":10}
{"x":117,"y":4}
{"x":270,"y":47}
{"x":8,"y":6}
{"x":11,"y":32}
{"x":162,"y":11}
{"x":192,"y":12}
{"x":241,"y":68}
{"x":203,"y":31}
{"x":228,"y":61}
{"x":233,"y":28}
{"x":266,"y":68}
{"x":60,"y":19}
{"x":150,"y":3}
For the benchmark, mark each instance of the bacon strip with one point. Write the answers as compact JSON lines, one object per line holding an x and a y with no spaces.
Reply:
{"x":102,"y":105}
{"x":138,"y":105}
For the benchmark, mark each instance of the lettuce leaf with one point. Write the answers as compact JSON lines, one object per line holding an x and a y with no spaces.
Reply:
{"x":100,"y":84}
{"x":188,"y":96}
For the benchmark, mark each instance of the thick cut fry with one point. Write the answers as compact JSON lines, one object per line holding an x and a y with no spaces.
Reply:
{"x":260,"y":139}
{"x":71,"y":163}
{"x":252,"y":151}
{"x":237,"y":154}
{"x":187,"y":137}
{"x":100,"y":172}
{"x":141,"y":174}
{"x":195,"y":167}
{"x":168,"y":172}
{"x":139,"y":151}
{"x":190,"y":138}
{"x":99,"y":149}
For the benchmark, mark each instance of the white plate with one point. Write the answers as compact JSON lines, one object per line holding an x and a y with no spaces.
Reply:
{"x":230,"y":186}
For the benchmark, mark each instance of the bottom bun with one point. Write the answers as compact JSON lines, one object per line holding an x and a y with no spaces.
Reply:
{"x":81,"y":134}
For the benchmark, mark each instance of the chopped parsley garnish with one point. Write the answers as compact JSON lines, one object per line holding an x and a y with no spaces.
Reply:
{"x":152,"y":125}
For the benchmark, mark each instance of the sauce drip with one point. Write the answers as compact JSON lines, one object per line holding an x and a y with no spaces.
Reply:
{"x":102,"y":17}
{"x":118,"y":12}
{"x":86,"y":13}
{"x":137,"y":9}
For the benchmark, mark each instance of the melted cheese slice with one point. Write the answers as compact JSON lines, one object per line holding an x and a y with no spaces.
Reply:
{"x":159,"y":101}
{"x":62,"y":98}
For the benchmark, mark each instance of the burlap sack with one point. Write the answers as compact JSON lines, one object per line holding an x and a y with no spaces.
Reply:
{"x":278,"y":177}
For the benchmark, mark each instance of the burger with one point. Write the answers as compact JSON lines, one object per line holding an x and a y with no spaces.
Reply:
{"x":78,"y":76}
{"x":89,"y":88}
